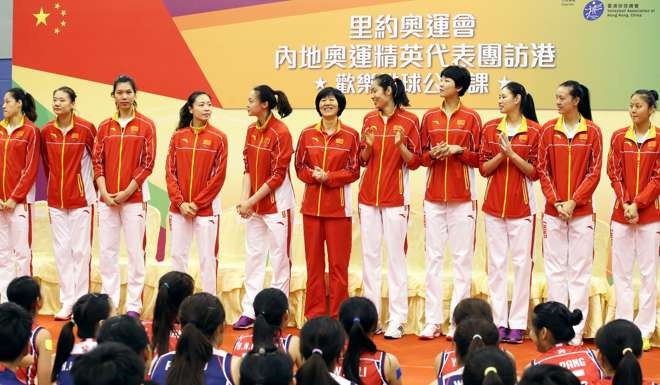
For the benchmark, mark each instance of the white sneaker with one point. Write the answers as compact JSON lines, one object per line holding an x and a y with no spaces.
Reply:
{"x":63,"y":315}
{"x":394,"y":331}
{"x":430,"y":332}
{"x":576,"y":341}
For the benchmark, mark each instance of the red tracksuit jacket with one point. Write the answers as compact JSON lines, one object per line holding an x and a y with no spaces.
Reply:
{"x":19,"y":152}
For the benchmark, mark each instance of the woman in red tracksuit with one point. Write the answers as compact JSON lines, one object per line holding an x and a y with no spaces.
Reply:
{"x":327,"y":162}
{"x":633,"y":166}
{"x":123,"y":158}
{"x":390,"y":148}
{"x":67,"y":143}
{"x":19,"y":154}
{"x":509,"y":147}
{"x":195,"y":172}
{"x":569,"y":162}
{"x":267,"y":197}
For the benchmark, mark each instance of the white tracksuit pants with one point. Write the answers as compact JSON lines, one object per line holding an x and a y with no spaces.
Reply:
{"x":131,"y":217}
{"x":630,"y":243}
{"x":390,"y":224}
{"x":72,"y":244}
{"x":515,"y":236}
{"x":454,"y":222}
{"x":15,"y":245}
{"x":267,"y":235}
{"x":205,"y":229}
{"x":568,"y":253}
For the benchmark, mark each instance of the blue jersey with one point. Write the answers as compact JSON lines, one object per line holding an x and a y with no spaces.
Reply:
{"x":64,"y":376}
{"x":216,"y":372}
{"x":452,"y":378}
{"x":7,"y":377}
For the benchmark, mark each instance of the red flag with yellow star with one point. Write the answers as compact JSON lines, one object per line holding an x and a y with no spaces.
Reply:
{"x":99,"y":40}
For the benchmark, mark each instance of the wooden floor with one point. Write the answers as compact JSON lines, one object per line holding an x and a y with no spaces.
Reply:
{"x":416,"y":356}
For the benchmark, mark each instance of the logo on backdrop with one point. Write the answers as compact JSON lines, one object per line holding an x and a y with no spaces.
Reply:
{"x":593,"y":10}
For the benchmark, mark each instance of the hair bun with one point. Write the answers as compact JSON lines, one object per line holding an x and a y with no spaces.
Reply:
{"x":575,"y":317}
{"x":654,"y":93}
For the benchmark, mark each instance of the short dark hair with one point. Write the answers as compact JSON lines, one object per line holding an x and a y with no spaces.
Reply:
{"x":15,"y":331}
{"x":327,"y":91}
{"x":546,"y":374}
{"x":125,"y":330}
{"x":460,"y":76}
{"x":24,"y":291}
{"x":108,"y":364}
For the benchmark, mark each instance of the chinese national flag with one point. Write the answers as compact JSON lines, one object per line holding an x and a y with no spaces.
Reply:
{"x":99,"y":40}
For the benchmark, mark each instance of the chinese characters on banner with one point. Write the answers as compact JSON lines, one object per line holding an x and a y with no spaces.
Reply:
{"x":418,"y":55}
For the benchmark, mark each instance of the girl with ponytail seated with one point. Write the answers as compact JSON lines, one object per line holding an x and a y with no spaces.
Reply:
{"x":88,"y":312}
{"x":321,"y":342}
{"x":619,"y":345}
{"x":197,"y":360}
{"x":272,"y":313}
{"x":363,"y":363}
{"x":552,"y":329}
{"x":470,"y":335}
{"x":489,"y":366}
{"x":165,"y":329}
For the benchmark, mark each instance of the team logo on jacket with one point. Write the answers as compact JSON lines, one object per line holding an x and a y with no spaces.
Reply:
{"x":523,"y":137}
{"x":254,"y":138}
{"x":436,"y":122}
{"x":19,"y":134}
{"x":460,"y":123}
{"x":315,"y":139}
{"x":53,"y":135}
{"x":629,"y":144}
{"x":75,"y":135}
{"x":135,"y":129}
{"x":184,"y":140}
{"x":582,"y":136}
{"x":652,"y":144}
{"x":341,"y":141}
{"x":206,"y":142}
{"x":113,"y":129}
{"x":266,"y":140}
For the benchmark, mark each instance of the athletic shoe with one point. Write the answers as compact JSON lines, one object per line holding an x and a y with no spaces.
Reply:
{"x":243,"y":323}
{"x":133,"y":314}
{"x":576,"y":341}
{"x":504,"y":334}
{"x":394,"y":331}
{"x":515,"y":336}
{"x":646,"y":344}
{"x":63,"y":315}
{"x":430,"y":331}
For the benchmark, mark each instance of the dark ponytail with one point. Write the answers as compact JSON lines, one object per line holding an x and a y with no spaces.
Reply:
{"x":88,"y":311}
{"x":398,"y":89}
{"x":556,"y":317}
{"x":185,"y":116}
{"x":580,"y":91}
{"x":201,"y":315}
{"x":489,"y":366}
{"x":473,"y":334}
{"x":649,"y":96}
{"x":526,"y":101}
{"x":275,"y":98}
{"x":173,"y":288}
{"x":28,"y":107}
{"x":270,"y":306}
{"x":321,"y":343}
{"x":359,"y":318}
{"x":620,"y":344}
